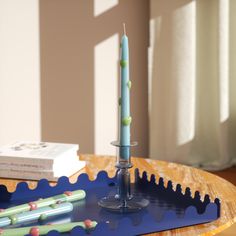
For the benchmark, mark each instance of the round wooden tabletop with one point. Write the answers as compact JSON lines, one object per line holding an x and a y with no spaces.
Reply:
{"x":202,"y":181}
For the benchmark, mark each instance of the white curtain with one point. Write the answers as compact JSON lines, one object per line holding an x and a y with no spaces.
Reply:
{"x":192,"y":82}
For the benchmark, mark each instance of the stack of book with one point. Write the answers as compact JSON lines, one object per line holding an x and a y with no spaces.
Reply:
{"x":27,"y":160}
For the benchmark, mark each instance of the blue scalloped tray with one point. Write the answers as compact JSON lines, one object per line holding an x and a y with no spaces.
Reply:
{"x":168,"y":208}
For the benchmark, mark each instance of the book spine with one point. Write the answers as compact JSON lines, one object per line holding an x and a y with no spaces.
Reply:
{"x":33,"y":163}
{"x":29,"y":175}
{"x":24,"y":166}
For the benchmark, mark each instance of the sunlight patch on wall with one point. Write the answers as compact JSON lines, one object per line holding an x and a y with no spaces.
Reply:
{"x":184,"y":51}
{"x":154,"y":32}
{"x":101,"y":6}
{"x":224,"y":59}
{"x":106,"y":55}
{"x":19,"y":71}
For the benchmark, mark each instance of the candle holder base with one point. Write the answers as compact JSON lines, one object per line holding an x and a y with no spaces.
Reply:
{"x":115,"y":204}
{"x":123,"y":201}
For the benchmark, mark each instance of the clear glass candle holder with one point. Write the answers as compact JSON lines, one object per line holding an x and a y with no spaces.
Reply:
{"x":123,"y":200}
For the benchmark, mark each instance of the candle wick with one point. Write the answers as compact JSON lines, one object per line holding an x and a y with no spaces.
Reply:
{"x":124,"y":28}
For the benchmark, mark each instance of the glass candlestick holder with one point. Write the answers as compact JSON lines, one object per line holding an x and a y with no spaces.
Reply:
{"x":123,"y":200}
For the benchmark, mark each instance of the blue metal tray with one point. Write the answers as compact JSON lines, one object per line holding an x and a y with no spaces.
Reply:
{"x":168,"y":208}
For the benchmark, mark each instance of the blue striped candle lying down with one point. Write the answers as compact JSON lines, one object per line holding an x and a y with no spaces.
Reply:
{"x":39,"y":214}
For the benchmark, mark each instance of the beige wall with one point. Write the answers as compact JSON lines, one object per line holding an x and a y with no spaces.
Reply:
{"x":69,"y":32}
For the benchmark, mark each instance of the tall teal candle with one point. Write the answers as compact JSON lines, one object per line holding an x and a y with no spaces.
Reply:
{"x":125,"y":118}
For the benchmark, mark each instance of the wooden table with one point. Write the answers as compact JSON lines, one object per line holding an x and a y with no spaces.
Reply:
{"x":197,"y":179}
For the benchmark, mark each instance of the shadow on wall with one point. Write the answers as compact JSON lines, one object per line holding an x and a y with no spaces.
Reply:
{"x":69,"y":31}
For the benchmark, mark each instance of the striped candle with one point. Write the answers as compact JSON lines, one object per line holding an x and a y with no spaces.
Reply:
{"x":40,"y":214}
{"x":43,"y":230}
{"x":68,"y":196}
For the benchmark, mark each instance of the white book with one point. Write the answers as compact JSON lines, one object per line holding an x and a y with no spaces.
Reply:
{"x":37,"y":156}
{"x":66,"y":170}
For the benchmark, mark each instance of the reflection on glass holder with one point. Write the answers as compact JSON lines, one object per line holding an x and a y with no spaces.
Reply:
{"x":124,"y":201}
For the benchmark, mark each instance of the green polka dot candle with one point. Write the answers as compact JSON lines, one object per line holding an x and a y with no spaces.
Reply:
{"x":124,"y":102}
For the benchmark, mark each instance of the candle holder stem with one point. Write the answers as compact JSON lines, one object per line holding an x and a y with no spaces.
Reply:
{"x":123,"y":179}
{"x":124,"y":200}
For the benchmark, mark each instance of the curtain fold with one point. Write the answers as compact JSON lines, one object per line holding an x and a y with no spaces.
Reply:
{"x":192,"y":73}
